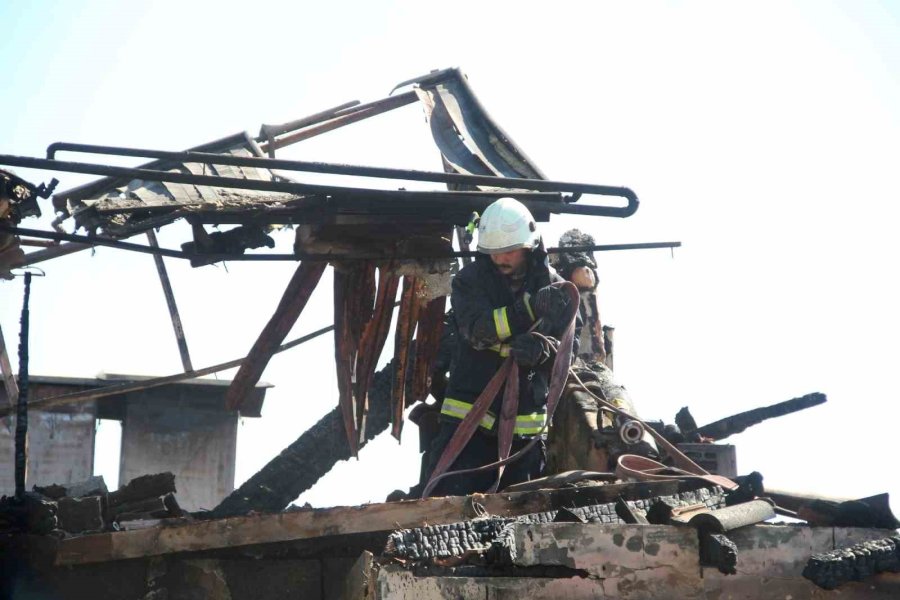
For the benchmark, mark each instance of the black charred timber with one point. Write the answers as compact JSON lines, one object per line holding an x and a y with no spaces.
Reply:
{"x":721,"y":429}
{"x":22,"y":408}
{"x":141,"y":488}
{"x":630,"y":515}
{"x":311,"y":456}
{"x":493,"y":535}
{"x":30,"y":513}
{"x":718,"y":551}
{"x":78,"y":515}
{"x":854,"y":563}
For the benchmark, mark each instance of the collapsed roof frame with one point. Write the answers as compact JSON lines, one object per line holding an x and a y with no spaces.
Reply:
{"x":481,"y":164}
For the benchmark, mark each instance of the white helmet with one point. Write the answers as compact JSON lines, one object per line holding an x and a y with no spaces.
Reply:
{"x":506,"y":225}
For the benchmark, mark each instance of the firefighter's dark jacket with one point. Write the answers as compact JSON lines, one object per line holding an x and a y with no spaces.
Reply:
{"x":488,"y":314}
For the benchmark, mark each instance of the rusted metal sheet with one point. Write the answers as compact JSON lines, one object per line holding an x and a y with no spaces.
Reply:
{"x":354,"y":287}
{"x":429,"y":329}
{"x":375,"y":334}
{"x":292,"y":303}
{"x":410,"y":304}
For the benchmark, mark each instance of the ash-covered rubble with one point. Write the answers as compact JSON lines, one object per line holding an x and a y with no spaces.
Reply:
{"x":491,"y":536}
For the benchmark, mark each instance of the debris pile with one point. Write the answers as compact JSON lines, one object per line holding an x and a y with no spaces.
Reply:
{"x":88,"y":507}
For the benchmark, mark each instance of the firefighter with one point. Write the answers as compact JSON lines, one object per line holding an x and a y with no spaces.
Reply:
{"x":496,"y":300}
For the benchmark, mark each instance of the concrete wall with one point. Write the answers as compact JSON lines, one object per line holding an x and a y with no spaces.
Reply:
{"x":60,"y":447}
{"x":187,"y":433}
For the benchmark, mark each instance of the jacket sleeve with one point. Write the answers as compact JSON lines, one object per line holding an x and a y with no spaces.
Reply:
{"x":482,"y":325}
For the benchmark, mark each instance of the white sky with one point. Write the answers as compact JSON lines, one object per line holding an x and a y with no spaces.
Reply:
{"x":765,"y":137}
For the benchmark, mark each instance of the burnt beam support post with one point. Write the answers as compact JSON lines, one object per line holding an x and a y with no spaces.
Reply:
{"x":21,"y":465}
{"x":294,"y":300}
{"x":170,"y":302}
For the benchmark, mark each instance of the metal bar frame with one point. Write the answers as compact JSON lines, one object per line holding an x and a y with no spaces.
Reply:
{"x":86,"y":241}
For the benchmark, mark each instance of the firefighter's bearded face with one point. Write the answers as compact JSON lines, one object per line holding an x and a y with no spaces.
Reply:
{"x":513,"y":264}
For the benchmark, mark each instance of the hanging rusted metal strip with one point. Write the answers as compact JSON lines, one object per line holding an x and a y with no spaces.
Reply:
{"x":170,"y":302}
{"x":292,"y":303}
{"x":406,"y":323}
{"x":21,"y":466}
{"x":429,"y":330}
{"x":354,"y":291}
{"x":375,"y":334}
{"x":345,"y":354}
{"x":364,"y":314}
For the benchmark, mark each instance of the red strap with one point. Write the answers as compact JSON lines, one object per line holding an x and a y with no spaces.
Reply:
{"x":470,"y":423}
{"x":508,"y":413}
{"x":467,"y":427}
{"x":641,"y":468}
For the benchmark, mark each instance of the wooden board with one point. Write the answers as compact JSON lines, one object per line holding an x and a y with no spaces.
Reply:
{"x":342,"y":520}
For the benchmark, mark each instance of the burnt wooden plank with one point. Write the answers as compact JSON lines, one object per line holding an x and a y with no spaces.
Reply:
{"x":292,"y":303}
{"x":341,"y":520}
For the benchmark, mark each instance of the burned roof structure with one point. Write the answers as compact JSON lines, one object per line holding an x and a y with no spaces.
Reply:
{"x":378,"y":240}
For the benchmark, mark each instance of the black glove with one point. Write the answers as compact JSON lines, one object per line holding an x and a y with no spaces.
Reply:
{"x":530,"y":350}
{"x":549,"y":301}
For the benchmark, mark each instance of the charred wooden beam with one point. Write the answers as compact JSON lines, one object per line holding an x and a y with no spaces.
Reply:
{"x":721,"y":429}
{"x":294,"y":300}
{"x":140,"y":488}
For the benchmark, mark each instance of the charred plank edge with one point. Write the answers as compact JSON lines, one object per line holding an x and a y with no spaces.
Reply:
{"x":343,"y":520}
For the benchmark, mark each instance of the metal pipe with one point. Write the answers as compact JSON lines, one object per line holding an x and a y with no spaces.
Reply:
{"x":170,"y":302}
{"x":339,"y":169}
{"x":84,"y":241}
{"x":374,"y":199}
{"x":631,"y":432}
{"x":358,"y":114}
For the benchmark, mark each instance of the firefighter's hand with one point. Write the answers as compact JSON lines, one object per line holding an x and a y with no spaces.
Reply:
{"x":550,"y":301}
{"x":531,"y":350}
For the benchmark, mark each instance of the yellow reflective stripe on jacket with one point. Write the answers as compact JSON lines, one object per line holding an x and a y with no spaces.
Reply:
{"x":529,"y":424}
{"x":501,"y":349}
{"x":458,"y":409}
{"x":527,"y":299}
{"x":501,"y":322}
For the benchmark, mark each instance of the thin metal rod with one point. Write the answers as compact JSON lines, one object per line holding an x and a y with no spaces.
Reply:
{"x":21,"y":442}
{"x":170,"y":302}
{"x":358,"y":113}
{"x":269,"y":132}
{"x":89,"y":240}
{"x":512,"y":183}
